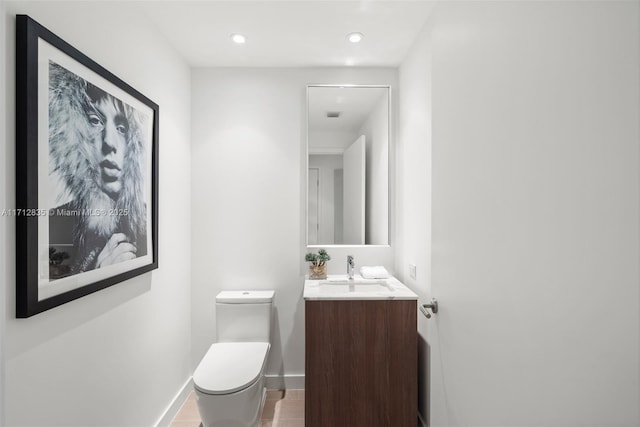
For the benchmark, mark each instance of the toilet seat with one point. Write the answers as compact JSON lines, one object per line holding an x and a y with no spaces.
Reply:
{"x":230,"y":366}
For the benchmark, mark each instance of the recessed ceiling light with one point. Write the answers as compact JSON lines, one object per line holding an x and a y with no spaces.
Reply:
{"x":355,"y":37}
{"x":238,"y":38}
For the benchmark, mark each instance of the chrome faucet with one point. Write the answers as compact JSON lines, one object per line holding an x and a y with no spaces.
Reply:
{"x":351,"y":265}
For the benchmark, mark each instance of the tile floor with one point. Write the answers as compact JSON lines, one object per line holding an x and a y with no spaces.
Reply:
{"x":281,"y":409}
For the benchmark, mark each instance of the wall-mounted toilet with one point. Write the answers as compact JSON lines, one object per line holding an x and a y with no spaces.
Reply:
{"x":229,"y":381}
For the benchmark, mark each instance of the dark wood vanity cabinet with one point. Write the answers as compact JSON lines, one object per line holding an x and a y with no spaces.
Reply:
{"x":361,"y":363}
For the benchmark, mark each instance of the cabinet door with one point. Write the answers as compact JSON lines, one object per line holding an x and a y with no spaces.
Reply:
{"x":361,"y":363}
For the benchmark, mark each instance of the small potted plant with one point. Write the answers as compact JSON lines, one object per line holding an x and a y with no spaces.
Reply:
{"x":318,"y":266}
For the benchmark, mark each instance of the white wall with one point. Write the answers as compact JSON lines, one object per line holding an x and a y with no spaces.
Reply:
{"x":331,"y":141}
{"x":248,"y":174}
{"x":376,"y":130}
{"x":530,"y":136}
{"x":118,"y":356}
{"x":413,"y":199}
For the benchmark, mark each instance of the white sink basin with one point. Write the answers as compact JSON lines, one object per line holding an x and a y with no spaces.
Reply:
{"x":339,"y":287}
{"x":345,"y":286}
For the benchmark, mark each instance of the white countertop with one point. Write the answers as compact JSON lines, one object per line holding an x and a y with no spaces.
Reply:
{"x":337,"y":287}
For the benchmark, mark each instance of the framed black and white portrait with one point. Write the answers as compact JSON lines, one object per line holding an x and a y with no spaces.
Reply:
{"x":86,"y":174}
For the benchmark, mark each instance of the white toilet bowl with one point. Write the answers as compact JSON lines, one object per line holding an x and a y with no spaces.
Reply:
{"x":229,"y":381}
{"x":229,"y":384}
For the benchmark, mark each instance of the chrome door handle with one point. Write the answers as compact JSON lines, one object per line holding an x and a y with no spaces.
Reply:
{"x":433,"y":305}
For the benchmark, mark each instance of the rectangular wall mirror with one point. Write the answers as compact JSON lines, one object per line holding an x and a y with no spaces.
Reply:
{"x":348,"y":165}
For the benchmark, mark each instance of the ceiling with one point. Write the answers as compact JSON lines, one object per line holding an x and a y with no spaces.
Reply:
{"x":353,"y":103}
{"x":299,"y":33}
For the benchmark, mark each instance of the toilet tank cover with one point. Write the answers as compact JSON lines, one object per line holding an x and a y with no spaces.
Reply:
{"x":245,"y":297}
{"x":230,"y":366}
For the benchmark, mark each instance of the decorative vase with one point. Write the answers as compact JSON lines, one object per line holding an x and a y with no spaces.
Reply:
{"x":317,"y":272}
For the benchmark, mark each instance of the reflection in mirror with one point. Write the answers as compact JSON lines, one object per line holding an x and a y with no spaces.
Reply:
{"x":348,"y":165}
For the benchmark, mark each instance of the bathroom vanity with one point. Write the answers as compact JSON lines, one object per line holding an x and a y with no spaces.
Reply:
{"x":361,"y":353}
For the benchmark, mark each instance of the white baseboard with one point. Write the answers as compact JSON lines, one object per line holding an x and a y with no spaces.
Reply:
{"x":176,"y":404}
{"x":285,"y":382}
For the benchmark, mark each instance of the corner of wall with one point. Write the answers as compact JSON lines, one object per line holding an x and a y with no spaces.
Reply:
{"x":413,"y":165}
{"x":2,"y":203}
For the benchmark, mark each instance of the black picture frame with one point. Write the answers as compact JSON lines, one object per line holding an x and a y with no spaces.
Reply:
{"x":44,"y":105}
